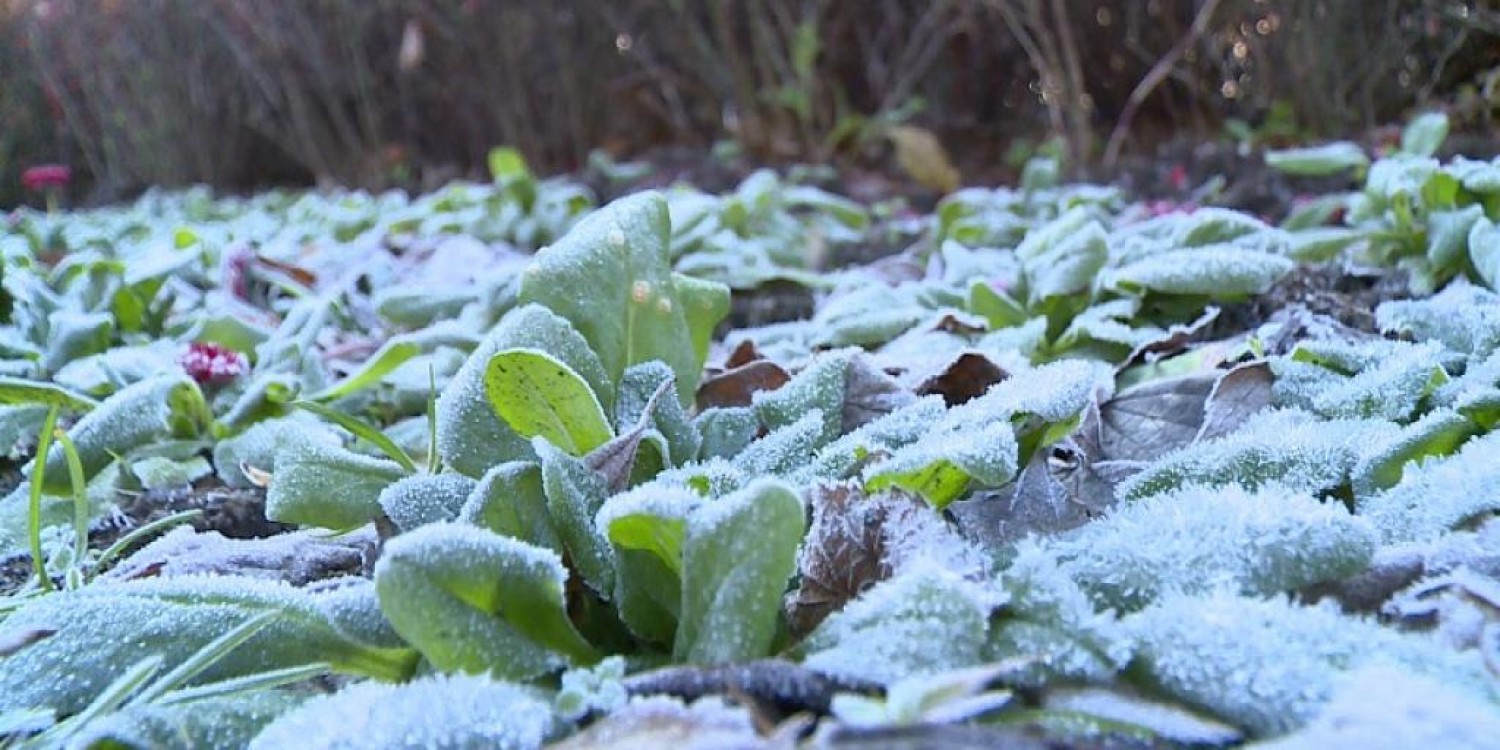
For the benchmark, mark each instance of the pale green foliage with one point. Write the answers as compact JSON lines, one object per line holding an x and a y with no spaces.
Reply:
{"x":1439,"y":495}
{"x":1287,"y":446}
{"x":103,"y":628}
{"x":425,"y":498}
{"x":1050,"y":623}
{"x":1464,"y":317}
{"x":1198,"y":539}
{"x":1271,"y":666}
{"x":922,"y":622}
{"x":440,"y":712}
{"x":328,"y":486}
{"x":1378,"y":380}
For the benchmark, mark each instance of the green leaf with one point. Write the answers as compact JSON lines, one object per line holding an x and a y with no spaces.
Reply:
{"x":437,"y":711}
{"x":99,"y":628}
{"x":510,"y":500}
{"x":1424,"y":135}
{"x":705,"y":303}
{"x":362,"y":431}
{"x":231,"y":721}
{"x":997,"y":307}
{"x":739,"y":553}
{"x":921,"y":622}
{"x":647,"y":528}
{"x":475,"y":601}
{"x":425,"y":498}
{"x":1197,"y":539}
{"x":611,"y":277}
{"x":22,"y":391}
{"x":471,"y":436}
{"x":327,"y":486}
{"x":390,"y":355}
{"x":941,"y":468}
{"x":1217,"y":271}
{"x":575,"y":493}
{"x":537,"y":395}
{"x":506,"y":164}
{"x":1484,"y":251}
{"x":162,"y":407}
{"x":1318,"y":161}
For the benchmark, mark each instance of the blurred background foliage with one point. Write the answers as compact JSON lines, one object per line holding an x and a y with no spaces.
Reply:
{"x":241,"y":94}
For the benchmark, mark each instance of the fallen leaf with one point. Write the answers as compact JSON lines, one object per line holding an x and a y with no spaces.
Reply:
{"x":965,"y":377}
{"x":736,"y":386}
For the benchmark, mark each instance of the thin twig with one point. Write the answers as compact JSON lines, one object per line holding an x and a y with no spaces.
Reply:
{"x":1154,"y":78}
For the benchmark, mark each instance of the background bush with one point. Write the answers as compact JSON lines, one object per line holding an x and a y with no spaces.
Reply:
{"x":242,"y":93}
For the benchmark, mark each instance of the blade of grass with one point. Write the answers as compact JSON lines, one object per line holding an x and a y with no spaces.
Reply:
{"x":34,"y":509}
{"x":80,"y":497}
{"x":129,"y":540}
{"x":361,"y":430}
{"x":204,"y":658}
{"x":434,"y":459}
{"x":247,"y":684}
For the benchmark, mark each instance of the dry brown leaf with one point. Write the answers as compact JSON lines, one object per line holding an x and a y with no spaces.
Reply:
{"x":922,"y":156}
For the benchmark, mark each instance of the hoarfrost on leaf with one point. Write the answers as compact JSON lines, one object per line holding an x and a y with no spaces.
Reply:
{"x":1271,"y":666}
{"x":1196,"y":539}
{"x":1439,"y":495}
{"x":923,"y":622}
{"x":439,"y":712}
{"x":425,"y":498}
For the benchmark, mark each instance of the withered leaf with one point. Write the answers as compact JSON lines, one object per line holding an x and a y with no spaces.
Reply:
{"x":847,"y":550}
{"x":965,"y":377}
{"x":1239,"y":393}
{"x":869,"y":394}
{"x":736,"y":386}
{"x":1153,"y":418}
{"x":616,"y":457}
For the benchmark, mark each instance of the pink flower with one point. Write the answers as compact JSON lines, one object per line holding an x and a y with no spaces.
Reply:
{"x":46,"y":176}
{"x":1178,"y":178}
{"x":212,"y":364}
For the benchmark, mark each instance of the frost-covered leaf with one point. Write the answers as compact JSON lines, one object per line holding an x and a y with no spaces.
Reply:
{"x":1382,"y":464}
{"x":537,"y":395}
{"x":101,"y":627}
{"x":821,"y":387}
{"x":1439,"y":495}
{"x":1218,"y":271}
{"x":258,"y":446}
{"x":659,"y":721}
{"x":1050,"y":623}
{"x":425,"y":498}
{"x":510,"y":500}
{"x":1116,"y":707}
{"x":1271,"y":666}
{"x":941,"y":467}
{"x":738,"y":554}
{"x":575,"y":493}
{"x":725,"y":430}
{"x":214,"y":722}
{"x":1484,"y":251}
{"x":1380,"y":379}
{"x":1424,"y":135}
{"x":471,"y":436}
{"x":1284,"y":446}
{"x":846,"y":551}
{"x":474,"y":601}
{"x":15,"y":391}
{"x":439,"y":712}
{"x":639,"y":405}
{"x":1198,"y":539}
{"x":1065,"y":267}
{"x":610,"y":276}
{"x":298,"y":557}
{"x":328,"y":486}
{"x":159,"y":408}
{"x":647,"y":527}
{"x":922,"y":622}
{"x":1463,"y":317}
{"x":1318,"y":161}
{"x":783,"y":451}
{"x":1385,"y":706}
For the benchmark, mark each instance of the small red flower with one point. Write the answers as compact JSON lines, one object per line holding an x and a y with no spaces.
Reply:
{"x":1178,"y":178}
{"x":212,"y":364}
{"x":46,"y":176}
{"x":1164,"y":207}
